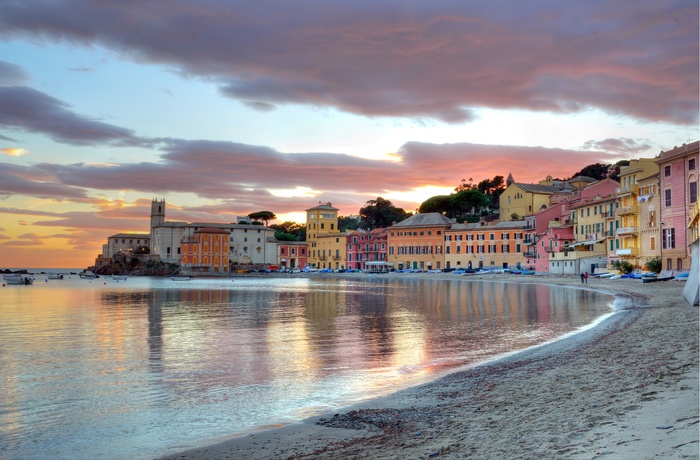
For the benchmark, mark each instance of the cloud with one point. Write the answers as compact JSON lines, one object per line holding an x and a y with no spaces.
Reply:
{"x":14,"y":152}
{"x":238,"y":177}
{"x":12,"y":74}
{"x":30,"y":110}
{"x":26,"y":239}
{"x":622,"y":146}
{"x":438,"y":60}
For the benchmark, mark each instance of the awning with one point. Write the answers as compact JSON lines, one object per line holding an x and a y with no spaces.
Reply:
{"x":585,"y":243}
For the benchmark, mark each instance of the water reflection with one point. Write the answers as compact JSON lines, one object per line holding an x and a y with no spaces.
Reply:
{"x":94,"y":370}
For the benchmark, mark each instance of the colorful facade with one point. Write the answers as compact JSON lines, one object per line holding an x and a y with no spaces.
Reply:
{"x":205,"y":252}
{"x":417,"y":243}
{"x":678,"y":186}
{"x":292,"y":255}
{"x":325,"y":241}
{"x":366,"y":246}
{"x":485,"y":245}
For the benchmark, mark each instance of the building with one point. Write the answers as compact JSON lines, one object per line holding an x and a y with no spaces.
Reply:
{"x":678,"y":187}
{"x":206,"y":252}
{"x":417,"y":242}
{"x":630,"y":221}
{"x":326,"y":243}
{"x":364,"y":246}
{"x":485,"y":245}
{"x":649,"y":228}
{"x":520,"y":199}
{"x":248,"y":245}
{"x":126,"y":243}
{"x":292,"y":254}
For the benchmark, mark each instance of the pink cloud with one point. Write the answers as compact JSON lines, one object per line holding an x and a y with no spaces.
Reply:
{"x":435,"y":60}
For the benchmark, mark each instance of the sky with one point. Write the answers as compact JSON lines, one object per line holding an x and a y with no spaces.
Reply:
{"x":224,"y":108}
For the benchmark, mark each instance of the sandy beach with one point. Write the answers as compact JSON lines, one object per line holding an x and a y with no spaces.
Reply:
{"x":626,"y":389}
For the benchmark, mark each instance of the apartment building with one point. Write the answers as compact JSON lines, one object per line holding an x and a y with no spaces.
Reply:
{"x":205,"y":252}
{"x":418,"y":242}
{"x":292,"y":254}
{"x":365,"y":246}
{"x":485,"y":245}
{"x":678,"y":186}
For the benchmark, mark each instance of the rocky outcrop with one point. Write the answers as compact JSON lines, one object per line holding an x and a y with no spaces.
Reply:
{"x":133,"y":265}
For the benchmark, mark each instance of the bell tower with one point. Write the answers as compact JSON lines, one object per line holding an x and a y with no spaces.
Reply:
{"x":157,"y":213}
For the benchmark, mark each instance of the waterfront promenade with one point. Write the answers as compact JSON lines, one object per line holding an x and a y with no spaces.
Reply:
{"x":626,"y":389}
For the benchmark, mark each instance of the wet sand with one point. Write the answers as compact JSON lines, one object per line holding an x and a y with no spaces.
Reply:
{"x":626,"y":389}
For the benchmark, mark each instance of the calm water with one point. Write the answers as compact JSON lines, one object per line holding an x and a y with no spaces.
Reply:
{"x":149,"y":366}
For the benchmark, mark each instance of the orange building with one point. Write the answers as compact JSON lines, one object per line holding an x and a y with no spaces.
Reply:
{"x":417,"y":242}
{"x":206,"y":252}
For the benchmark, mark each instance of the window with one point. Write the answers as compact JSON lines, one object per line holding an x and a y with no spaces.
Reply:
{"x":679,"y":264}
{"x":693,"y":192}
{"x":667,"y":195}
{"x":667,"y":171}
{"x":652,"y":218}
{"x":652,"y":243}
{"x":669,"y":241}
{"x":691,"y":164}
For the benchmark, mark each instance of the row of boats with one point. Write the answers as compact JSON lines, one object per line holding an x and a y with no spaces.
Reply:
{"x":26,"y":279}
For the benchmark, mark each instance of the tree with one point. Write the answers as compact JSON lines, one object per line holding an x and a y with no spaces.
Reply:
{"x":381,"y":213}
{"x":599,"y":171}
{"x":264,"y":216}
{"x":654,"y":265}
{"x":438,"y":203}
{"x":348,"y":223}
{"x":623,"y":266}
{"x":293,"y":228}
{"x":280,"y":236}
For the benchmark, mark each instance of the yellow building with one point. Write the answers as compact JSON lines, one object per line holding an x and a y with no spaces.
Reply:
{"x":519,"y":199}
{"x":326,"y":244}
{"x":417,"y":243}
{"x":631,"y":222}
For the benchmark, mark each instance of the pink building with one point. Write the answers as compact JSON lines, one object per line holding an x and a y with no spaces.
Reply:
{"x":292,"y":254}
{"x":366,"y":246}
{"x":678,"y":187}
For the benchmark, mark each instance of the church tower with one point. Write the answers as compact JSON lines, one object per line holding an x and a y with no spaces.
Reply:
{"x":157,"y":214}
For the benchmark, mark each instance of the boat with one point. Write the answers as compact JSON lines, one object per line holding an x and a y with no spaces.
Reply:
{"x":119,"y":277}
{"x":88,"y":275}
{"x":653,"y":280}
{"x":54,"y":276}
{"x":180,"y":278}
{"x":681,"y":277}
{"x":16,"y":278}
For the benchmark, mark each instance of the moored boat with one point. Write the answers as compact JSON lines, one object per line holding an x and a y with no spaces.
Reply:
{"x":16,"y":278}
{"x":180,"y":278}
{"x":54,"y":276}
{"x":119,"y":277}
{"x":88,"y":275}
{"x":653,"y":280}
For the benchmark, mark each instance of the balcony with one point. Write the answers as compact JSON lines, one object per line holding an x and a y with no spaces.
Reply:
{"x":627,"y":252}
{"x":627,"y":231}
{"x":632,"y":188}
{"x":625,"y":210}
{"x":529,"y":254}
{"x":528,"y":240}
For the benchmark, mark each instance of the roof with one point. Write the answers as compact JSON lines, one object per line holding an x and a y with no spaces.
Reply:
{"x":537,"y":188}
{"x":326,"y":207}
{"x":676,"y":152}
{"x":131,"y":235}
{"x":428,"y":219}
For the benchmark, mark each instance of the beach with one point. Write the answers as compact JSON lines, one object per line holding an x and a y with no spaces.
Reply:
{"x":624,"y":389}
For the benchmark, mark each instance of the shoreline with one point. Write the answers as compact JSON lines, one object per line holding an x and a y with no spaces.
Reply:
{"x":625,"y":388}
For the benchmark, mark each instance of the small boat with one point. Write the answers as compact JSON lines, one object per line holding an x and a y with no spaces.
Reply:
{"x":681,"y":277}
{"x":180,"y":278}
{"x":88,"y":275}
{"x":119,"y":277}
{"x":653,"y":280}
{"x":18,"y":279}
{"x":54,"y":276}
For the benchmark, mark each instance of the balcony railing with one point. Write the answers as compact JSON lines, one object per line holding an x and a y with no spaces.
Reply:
{"x":632,"y":188}
{"x":627,"y":252}
{"x":627,"y":230}
{"x":529,"y":254}
{"x":624,"y":210}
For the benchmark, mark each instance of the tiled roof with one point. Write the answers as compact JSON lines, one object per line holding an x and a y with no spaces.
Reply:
{"x":537,"y":188}
{"x":131,"y":235}
{"x":326,"y":206}
{"x":675,"y":152}
{"x":428,"y":219}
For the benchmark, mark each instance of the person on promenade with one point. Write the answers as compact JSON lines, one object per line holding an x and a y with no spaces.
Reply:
{"x":583,"y":277}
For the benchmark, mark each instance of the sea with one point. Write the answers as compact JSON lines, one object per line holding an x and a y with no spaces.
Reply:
{"x":147,"y":367}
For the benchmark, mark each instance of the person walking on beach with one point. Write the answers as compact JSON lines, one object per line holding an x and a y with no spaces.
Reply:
{"x":583,"y":277}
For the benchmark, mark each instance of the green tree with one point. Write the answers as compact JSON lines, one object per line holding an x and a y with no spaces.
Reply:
{"x":381,"y":213}
{"x":264,"y":216}
{"x":439,"y":203}
{"x":293,"y":228}
{"x":280,"y":236}
{"x":654,"y":265}
{"x":623,"y":266}
{"x":467,"y":203}
{"x":348,"y":223}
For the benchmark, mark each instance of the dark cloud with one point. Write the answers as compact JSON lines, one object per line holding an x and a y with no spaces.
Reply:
{"x":11,"y":74}
{"x":435,"y":60}
{"x":27,"y":109}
